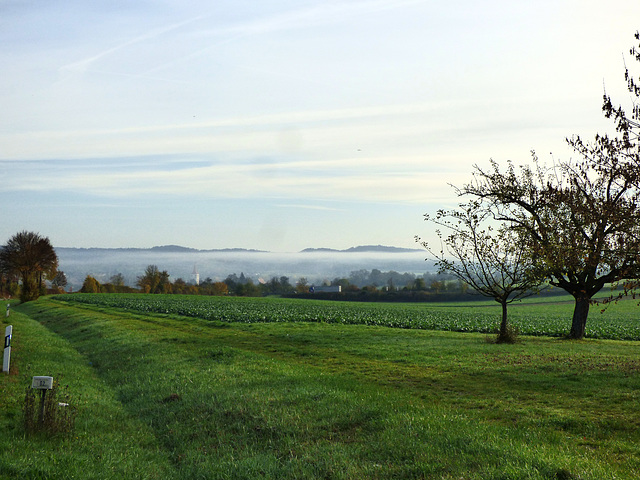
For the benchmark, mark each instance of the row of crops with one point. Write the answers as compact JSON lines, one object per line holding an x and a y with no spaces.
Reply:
{"x":620,"y":323}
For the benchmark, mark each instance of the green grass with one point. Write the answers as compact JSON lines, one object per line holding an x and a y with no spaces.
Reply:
{"x":166,"y":396}
{"x":532,"y":317}
{"x":107,"y":441}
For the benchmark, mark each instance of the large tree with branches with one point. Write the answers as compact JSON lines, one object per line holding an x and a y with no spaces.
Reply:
{"x":581,"y":218}
{"x":581,"y":224}
{"x":32,"y":259}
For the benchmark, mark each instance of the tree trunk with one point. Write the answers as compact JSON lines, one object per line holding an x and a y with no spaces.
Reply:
{"x":29,"y":289}
{"x":580,"y":313}
{"x":505,"y":335}
{"x":503,"y":323}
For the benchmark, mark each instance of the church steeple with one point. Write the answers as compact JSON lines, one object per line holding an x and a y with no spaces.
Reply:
{"x":195,"y":276}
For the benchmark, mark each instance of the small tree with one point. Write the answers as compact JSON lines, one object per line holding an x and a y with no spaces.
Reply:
{"x":154,"y":280}
{"x":90,"y":285}
{"x":248,"y":289}
{"x":419,"y":284}
{"x":117,"y":280}
{"x":179,"y":286}
{"x":493,"y":261}
{"x":302,"y":285}
{"x":219,"y":289}
{"x":436,"y":286}
{"x":60,"y":280}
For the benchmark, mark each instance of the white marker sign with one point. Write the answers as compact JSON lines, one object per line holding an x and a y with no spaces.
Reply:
{"x":42,"y":383}
{"x":7,"y":348}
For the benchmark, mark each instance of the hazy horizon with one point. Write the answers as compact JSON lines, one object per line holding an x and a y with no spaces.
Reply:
{"x":315,"y":266}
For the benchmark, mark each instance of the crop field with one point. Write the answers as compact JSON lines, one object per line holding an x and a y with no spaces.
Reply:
{"x":548,"y":318}
{"x":233,"y":388}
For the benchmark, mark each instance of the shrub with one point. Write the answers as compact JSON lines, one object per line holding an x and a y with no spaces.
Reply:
{"x":509,"y":336}
{"x":58,"y":416}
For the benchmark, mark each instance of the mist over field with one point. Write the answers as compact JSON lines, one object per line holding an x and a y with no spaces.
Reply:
{"x":316,"y":265}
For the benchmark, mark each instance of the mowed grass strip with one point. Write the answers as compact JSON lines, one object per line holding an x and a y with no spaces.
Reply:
{"x":106,"y":442}
{"x":310,"y":400}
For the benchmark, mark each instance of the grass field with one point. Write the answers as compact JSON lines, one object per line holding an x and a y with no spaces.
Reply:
{"x":161,"y":395}
{"x":536,"y":316}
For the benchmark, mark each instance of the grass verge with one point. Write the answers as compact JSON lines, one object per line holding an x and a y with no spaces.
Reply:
{"x":106,"y":441}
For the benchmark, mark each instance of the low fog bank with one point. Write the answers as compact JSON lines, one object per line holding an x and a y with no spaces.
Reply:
{"x":315,"y":266}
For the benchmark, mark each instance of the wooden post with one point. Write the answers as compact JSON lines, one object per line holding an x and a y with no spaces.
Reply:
{"x":41,"y":416}
{"x":43,"y":384}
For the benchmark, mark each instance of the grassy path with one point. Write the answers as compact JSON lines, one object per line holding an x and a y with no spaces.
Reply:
{"x":169,"y":397}
{"x":107,"y":441}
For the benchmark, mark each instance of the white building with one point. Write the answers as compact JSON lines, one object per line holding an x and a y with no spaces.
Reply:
{"x":325,"y":289}
{"x":195,"y":276}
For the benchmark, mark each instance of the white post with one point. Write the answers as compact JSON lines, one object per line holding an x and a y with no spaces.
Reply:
{"x":7,"y":348}
{"x":8,"y":305}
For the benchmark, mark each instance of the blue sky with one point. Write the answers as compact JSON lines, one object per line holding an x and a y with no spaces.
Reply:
{"x":281,"y":125}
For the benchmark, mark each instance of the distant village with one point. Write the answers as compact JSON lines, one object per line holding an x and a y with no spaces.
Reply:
{"x":365,"y":284}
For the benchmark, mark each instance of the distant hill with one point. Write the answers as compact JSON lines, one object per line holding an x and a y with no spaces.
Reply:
{"x":172,"y":248}
{"x":315,"y":250}
{"x":181,"y":249}
{"x":364,"y":248}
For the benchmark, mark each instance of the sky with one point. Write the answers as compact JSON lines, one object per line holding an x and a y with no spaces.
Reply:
{"x":281,"y":125}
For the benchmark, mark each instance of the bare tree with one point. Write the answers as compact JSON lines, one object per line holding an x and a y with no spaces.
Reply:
{"x":489,"y":257}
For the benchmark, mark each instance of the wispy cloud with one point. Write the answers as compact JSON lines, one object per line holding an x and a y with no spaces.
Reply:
{"x":350,"y":180}
{"x":81,"y":66}
{"x":293,"y":19}
{"x":373,"y":131}
{"x":302,"y":18}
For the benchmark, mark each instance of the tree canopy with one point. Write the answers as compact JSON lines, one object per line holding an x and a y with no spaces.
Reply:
{"x":581,"y":218}
{"x":581,"y":223}
{"x":154,"y":280}
{"x":31,"y":258}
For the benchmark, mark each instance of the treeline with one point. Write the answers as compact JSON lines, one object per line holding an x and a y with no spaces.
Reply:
{"x":159,"y":281}
{"x":391,"y":286}
{"x":393,"y":280}
{"x":361,"y":285}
